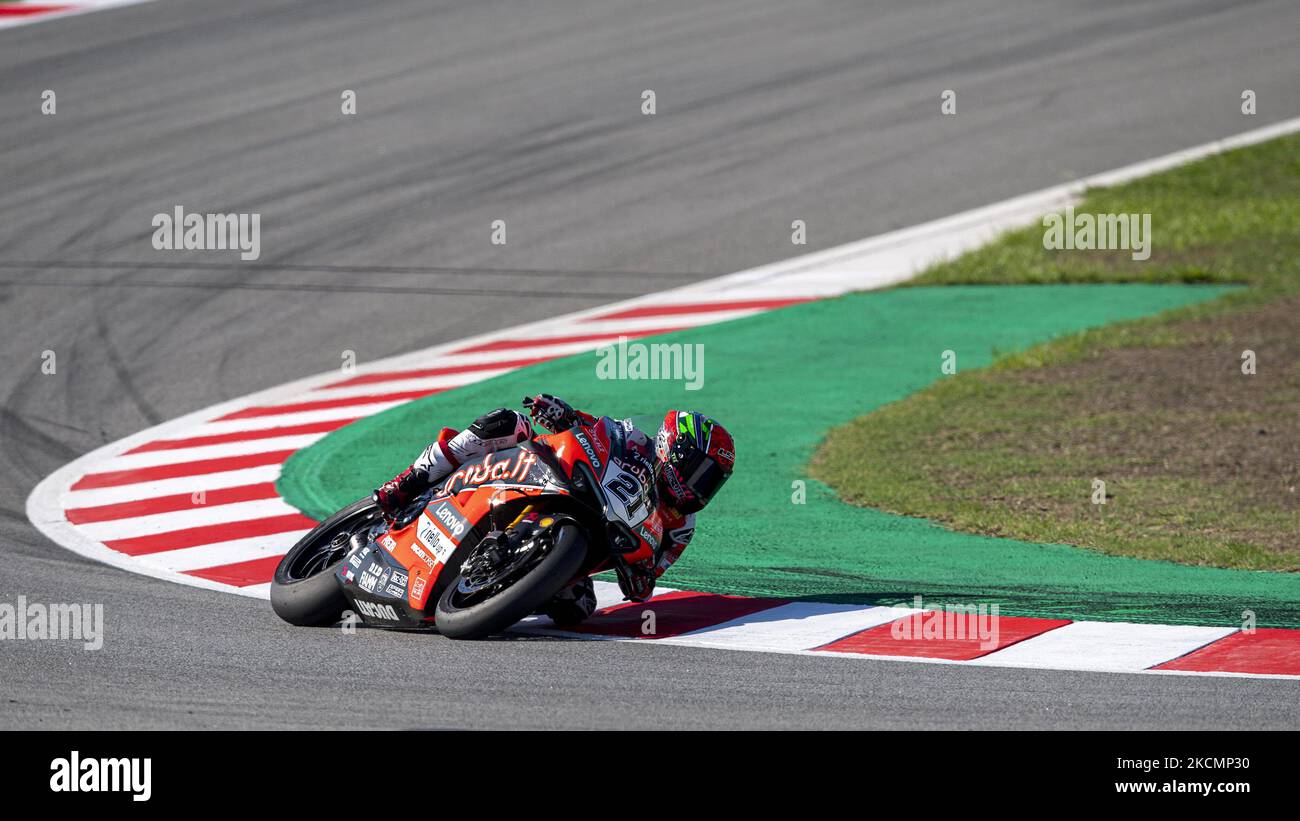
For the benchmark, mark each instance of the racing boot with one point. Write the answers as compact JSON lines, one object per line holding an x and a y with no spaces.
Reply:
{"x":394,"y":495}
{"x":433,"y":465}
{"x":500,"y":429}
{"x":572,"y":605}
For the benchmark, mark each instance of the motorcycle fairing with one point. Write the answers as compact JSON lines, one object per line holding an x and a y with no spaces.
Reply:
{"x":392,"y":579}
{"x":376,"y":583}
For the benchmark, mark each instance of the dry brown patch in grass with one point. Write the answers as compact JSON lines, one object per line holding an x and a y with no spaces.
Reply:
{"x":1187,"y":412}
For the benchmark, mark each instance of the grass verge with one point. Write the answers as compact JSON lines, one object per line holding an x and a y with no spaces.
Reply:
{"x":1200,"y":461}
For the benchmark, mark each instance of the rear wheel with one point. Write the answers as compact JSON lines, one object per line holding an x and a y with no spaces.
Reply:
{"x":466,"y":616}
{"x":305,"y":590}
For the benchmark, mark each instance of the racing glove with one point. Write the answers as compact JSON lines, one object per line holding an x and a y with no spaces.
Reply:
{"x":551,"y":412}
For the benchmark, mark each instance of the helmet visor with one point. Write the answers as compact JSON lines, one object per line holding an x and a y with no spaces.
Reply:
{"x":699,"y":473}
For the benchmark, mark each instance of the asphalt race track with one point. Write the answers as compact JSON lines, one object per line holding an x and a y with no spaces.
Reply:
{"x":375,"y":238}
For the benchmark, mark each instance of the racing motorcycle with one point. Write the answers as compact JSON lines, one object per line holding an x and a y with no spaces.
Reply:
{"x":490,"y":545}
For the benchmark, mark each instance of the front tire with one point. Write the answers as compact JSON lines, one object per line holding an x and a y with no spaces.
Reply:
{"x":521,"y":599}
{"x":304,"y":590}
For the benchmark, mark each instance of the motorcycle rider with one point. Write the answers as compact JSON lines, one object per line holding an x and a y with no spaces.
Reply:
{"x":693,"y":456}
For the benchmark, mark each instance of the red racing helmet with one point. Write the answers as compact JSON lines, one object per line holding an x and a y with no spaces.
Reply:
{"x":696,"y":455}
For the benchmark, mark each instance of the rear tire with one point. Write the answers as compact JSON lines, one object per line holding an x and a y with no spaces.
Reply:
{"x":316,"y":600}
{"x":519,"y":600}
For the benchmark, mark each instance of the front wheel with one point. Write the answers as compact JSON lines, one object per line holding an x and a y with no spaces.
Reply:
{"x":304,"y":590}
{"x":456,"y":618}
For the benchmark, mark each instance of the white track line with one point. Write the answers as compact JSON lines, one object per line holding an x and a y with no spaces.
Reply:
{"x":217,"y":427}
{"x":197,"y":516}
{"x":77,"y":7}
{"x":401,"y":385}
{"x":1105,"y":646}
{"x":169,"y":487}
{"x":1141,"y":643}
{"x":223,"y":553}
{"x":796,"y":626}
{"x":275,"y":418}
{"x":180,"y":456}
